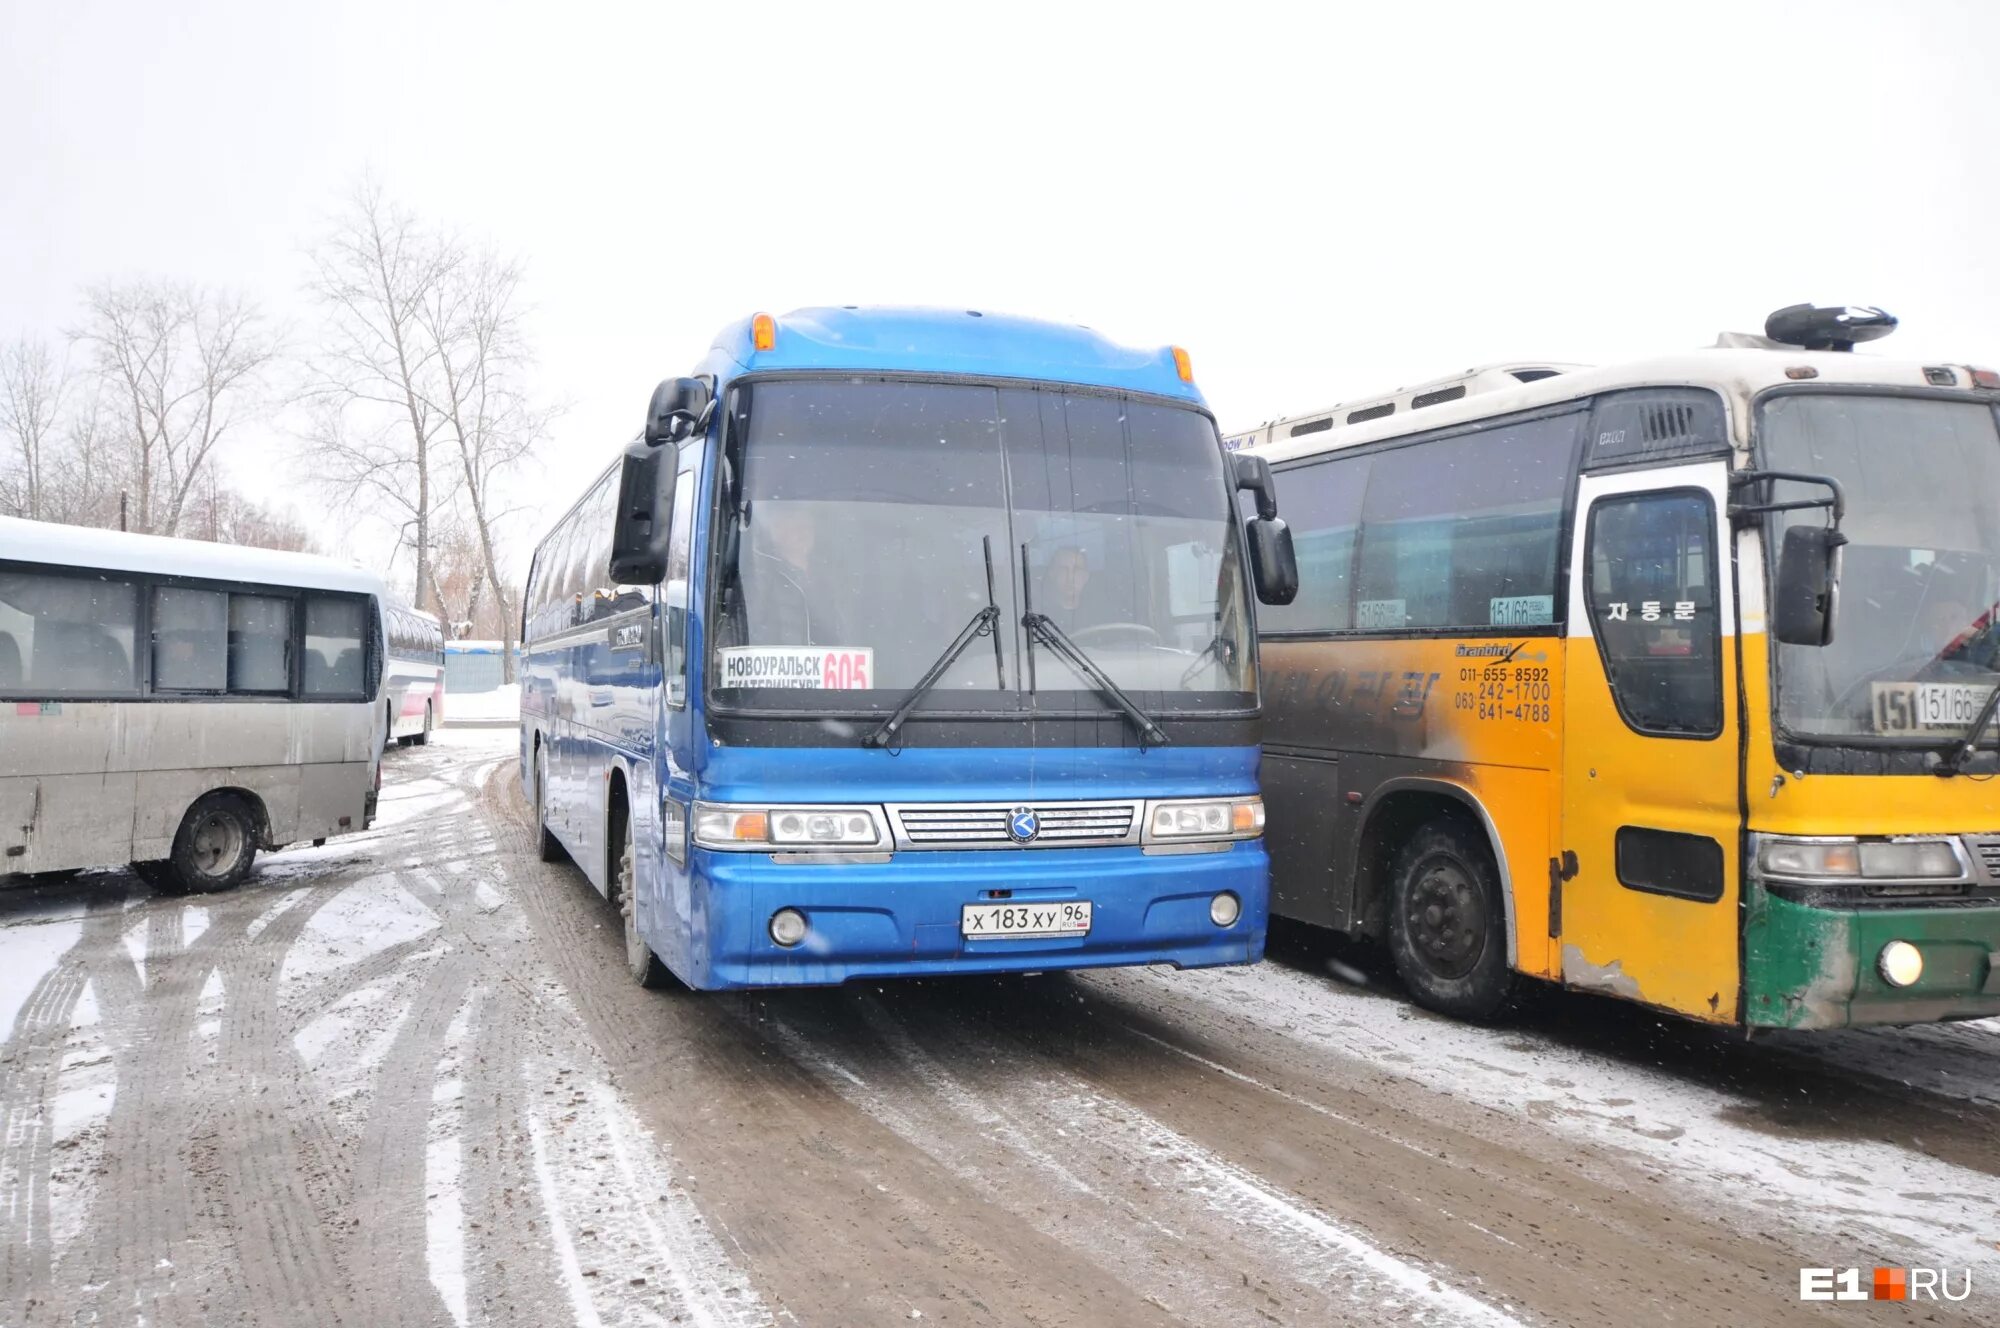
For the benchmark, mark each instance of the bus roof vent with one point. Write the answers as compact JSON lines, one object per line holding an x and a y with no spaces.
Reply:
{"x":1367,"y":413}
{"x":1320,"y":425}
{"x":1437,"y":398}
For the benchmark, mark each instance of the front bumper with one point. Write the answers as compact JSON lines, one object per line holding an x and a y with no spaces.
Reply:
{"x":900,"y":918}
{"x":1811,"y":967}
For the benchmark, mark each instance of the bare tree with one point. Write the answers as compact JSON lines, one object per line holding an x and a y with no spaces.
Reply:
{"x":182,"y":361}
{"x":373,"y":384}
{"x":33,"y":383}
{"x":474,"y":319}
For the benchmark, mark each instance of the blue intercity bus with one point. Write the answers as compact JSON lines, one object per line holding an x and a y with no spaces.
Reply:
{"x":908,"y":643}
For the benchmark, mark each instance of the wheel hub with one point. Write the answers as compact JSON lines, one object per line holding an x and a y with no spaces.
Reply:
{"x":1447,"y":917}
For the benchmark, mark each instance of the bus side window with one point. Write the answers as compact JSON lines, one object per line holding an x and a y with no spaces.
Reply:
{"x":674,"y":626}
{"x":260,"y":641}
{"x":1322,"y":504}
{"x":1654,"y":610}
{"x":72,"y":636}
{"x":334,"y":643}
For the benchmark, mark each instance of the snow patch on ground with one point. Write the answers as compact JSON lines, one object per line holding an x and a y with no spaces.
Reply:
{"x":497,"y":704}
{"x":996,"y":1134}
{"x":1930,"y":1208}
{"x":28,"y":950}
{"x":372,"y":914}
{"x":272,"y":914}
{"x":444,"y":1203}
{"x":86,"y":1086}
{"x":626,"y":1232}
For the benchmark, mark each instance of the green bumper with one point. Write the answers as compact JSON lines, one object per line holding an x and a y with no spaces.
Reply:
{"x":1808,"y":967}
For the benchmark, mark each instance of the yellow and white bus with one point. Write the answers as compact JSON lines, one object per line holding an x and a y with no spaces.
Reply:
{"x":1671,"y":680}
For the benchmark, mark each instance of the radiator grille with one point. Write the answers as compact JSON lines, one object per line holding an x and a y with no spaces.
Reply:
{"x":984,"y":825}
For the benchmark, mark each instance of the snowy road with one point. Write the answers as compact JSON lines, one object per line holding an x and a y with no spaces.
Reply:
{"x":403,"y":1079}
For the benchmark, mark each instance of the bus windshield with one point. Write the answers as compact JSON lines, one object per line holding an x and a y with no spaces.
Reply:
{"x":1915,"y":646}
{"x":864,"y":520}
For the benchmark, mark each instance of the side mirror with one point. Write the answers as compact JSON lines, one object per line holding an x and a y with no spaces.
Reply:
{"x":1273,"y":566}
{"x":645,"y":513}
{"x":1808,"y":589}
{"x":679,"y":406}
{"x":1254,"y":474}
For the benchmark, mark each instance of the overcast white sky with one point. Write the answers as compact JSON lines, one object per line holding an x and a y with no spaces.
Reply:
{"x":1316,"y":206}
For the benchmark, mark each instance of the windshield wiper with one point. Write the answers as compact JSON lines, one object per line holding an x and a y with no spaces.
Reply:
{"x":984,"y":623}
{"x":1953,"y":758}
{"x":1043,"y":628}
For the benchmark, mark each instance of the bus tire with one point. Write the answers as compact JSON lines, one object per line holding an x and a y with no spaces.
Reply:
{"x":424,"y":739}
{"x":1448,"y":924}
{"x":644,"y":966}
{"x":547,"y":847}
{"x":213,"y":850}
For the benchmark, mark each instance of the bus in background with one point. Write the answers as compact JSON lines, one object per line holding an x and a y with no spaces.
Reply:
{"x":413,"y":675}
{"x":1673,"y":681}
{"x":180,"y":705}
{"x":908,"y":643}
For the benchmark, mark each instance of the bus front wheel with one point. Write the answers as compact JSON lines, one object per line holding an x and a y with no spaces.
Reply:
{"x":644,"y":965}
{"x":1448,"y":925}
{"x":547,"y":847}
{"x":213,"y":850}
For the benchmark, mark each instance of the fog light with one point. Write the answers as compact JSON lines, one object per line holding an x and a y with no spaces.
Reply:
{"x":1224,"y":909}
{"x":788,"y":927}
{"x":1900,"y":963}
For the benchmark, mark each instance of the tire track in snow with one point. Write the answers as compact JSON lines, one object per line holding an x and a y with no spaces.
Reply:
{"x":1687,"y":1130}
{"x":1196,"y":1201}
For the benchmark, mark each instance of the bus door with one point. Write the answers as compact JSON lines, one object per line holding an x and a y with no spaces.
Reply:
{"x":1644,"y":894}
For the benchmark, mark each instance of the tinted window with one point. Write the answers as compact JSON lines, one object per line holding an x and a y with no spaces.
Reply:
{"x":260,"y":643}
{"x":874,"y":510}
{"x":334,"y":647}
{"x":1463,"y":531}
{"x":1654,"y":609}
{"x":679,"y":537}
{"x":1322,"y":504}
{"x":190,"y":640}
{"x":68,"y":636}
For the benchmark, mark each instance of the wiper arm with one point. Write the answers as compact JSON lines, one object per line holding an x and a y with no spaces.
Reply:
{"x":984,"y":623}
{"x":1953,"y":758}
{"x":1043,"y":628}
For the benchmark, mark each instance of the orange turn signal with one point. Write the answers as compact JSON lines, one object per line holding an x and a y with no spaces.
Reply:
{"x":1183,"y":365}
{"x":763,"y":332}
{"x":751,"y":825}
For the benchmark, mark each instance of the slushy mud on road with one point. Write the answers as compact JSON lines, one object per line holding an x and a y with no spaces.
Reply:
{"x":405,"y":1079}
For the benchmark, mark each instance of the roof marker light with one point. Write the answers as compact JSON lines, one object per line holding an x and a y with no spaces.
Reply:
{"x":763,"y":332}
{"x":1985,"y":378}
{"x":1183,"y":365}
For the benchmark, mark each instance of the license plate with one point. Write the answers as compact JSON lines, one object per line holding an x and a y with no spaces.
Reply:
{"x":1069,"y":917}
{"x":1921,"y":707}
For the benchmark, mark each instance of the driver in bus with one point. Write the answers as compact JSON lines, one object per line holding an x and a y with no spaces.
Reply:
{"x":789,"y":602}
{"x":1069,"y":577}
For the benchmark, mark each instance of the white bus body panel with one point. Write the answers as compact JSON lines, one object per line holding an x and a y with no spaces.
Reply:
{"x":87,"y":783}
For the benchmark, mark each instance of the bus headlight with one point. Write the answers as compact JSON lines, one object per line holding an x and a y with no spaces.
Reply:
{"x":1860,"y":860}
{"x":1900,"y":963}
{"x":735,"y":826}
{"x":1206,"y":818}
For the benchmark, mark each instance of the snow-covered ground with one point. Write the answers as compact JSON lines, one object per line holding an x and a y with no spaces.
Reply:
{"x":405,"y":1077}
{"x":502,"y":703}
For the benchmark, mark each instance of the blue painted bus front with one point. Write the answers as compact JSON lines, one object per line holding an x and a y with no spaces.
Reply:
{"x":598,"y":724}
{"x":901,"y":917}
